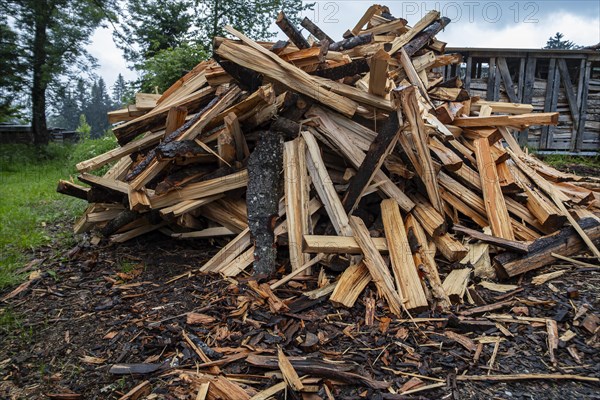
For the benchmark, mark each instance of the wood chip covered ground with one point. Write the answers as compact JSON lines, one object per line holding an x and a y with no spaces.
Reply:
{"x":364,"y":214}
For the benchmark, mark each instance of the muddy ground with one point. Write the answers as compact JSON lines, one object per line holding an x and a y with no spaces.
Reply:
{"x":96,"y":306}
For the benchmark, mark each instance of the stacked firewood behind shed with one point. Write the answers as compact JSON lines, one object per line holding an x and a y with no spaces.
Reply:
{"x":354,"y":155}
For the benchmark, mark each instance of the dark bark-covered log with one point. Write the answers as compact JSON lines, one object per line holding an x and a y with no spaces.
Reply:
{"x":178,"y":150}
{"x":424,"y":37}
{"x":454,"y":82}
{"x":138,"y":169}
{"x":315,"y":30}
{"x":288,"y":128}
{"x":318,"y":368}
{"x":279,"y":46}
{"x":100,"y":195}
{"x":295,"y":105}
{"x":516,"y":246}
{"x":72,"y":189}
{"x":352,"y":42}
{"x":244,"y":77}
{"x":378,"y":150}
{"x":124,"y":218}
{"x":265,"y":169}
{"x":291,"y":31}
{"x":565,"y":242}
{"x":355,"y":67}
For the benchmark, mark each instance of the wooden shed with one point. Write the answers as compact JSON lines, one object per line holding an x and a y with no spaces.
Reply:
{"x":567,"y":81}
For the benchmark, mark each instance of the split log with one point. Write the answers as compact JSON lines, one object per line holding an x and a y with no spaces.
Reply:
{"x":376,"y":265}
{"x":565,"y":242}
{"x":405,"y":271}
{"x":264,"y":191}
{"x":351,"y":43}
{"x":378,"y":151}
{"x":425,"y":36}
{"x":315,"y":30}
{"x":356,"y":67}
{"x":291,"y":31}
{"x":492,"y":193}
{"x":515,"y":246}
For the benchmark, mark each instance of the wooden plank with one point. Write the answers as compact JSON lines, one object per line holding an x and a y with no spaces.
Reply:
{"x":522,"y":121}
{"x":506,"y":78}
{"x":201,"y":190}
{"x":376,"y":265}
{"x":419,"y":137}
{"x":403,"y":266}
{"x":516,"y":246}
{"x":423,"y":258}
{"x":338,"y":244}
{"x":324,"y":186}
{"x":449,"y":247}
{"x":383,"y":144}
{"x":378,"y":76}
{"x":296,"y":188}
{"x":229,"y":252}
{"x":233,"y":126}
{"x":583,"y":106}
{"x":99,"y":161}
{"x":491,"y":79}
{"x":549,"y":101}
{"x":528,"y":93}
{"x":492,"y":193}
{"x":503,"y":107}
{"x":569,"y":92}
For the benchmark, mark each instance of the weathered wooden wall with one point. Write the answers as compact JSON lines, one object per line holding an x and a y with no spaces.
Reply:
{"x":567,"y":81}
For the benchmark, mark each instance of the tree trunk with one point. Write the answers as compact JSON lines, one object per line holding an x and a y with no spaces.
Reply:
{"x":40,"y":81}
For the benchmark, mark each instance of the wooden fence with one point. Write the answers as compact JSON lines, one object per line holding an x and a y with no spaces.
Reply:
{"x":567,"y":81}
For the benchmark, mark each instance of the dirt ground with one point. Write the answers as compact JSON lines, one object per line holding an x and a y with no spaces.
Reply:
{"x":96,"y":306}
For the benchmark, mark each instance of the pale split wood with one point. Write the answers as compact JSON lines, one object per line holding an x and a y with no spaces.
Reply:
{"x":495,"y":205}
{"x":324,"y":186}
{"x":296,"y":187}
{"x":378,"y":73}
{"x":403,"y":266}
{"x":419,"y":140}
{"x":289,"y":373}
{"x":455,"y":284}
{"x":376,"y":265}
{"x":229,"y":252}
{"x":350,"y":285}
{"x":424,"y":259}
{"x":201,"y":190}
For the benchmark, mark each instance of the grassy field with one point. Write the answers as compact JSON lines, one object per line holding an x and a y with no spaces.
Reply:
{"x":29,"y":204}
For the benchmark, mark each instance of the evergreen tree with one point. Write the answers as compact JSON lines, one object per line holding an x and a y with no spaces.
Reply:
{"x":167,"y":66}
{"x":557,"y":42}
{"x":119,"y":91}
{"x":13,"y":69}
{"x":154,"y":25}
{"x":254,"y":18}
{"x":52,"y":36}
{"x":65,"y":110}
{"x":97,"y":108}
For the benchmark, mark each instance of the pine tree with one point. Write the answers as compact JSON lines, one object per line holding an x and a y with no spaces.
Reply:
{"x":52,"y":36}
{"x":13,"y":71}
{"x":98,"y":107}
{"x":557,"y":42}
{"x":119,"y":90}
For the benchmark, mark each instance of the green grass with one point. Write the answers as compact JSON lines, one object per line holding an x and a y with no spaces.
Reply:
{"x":564,"y":161}
{"x":29,"y":204}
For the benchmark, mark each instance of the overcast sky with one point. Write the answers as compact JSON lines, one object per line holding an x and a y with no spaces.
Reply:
{"x":517,"y":24}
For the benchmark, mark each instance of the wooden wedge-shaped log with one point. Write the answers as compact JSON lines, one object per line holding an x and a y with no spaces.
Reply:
{"x":376,"y":265}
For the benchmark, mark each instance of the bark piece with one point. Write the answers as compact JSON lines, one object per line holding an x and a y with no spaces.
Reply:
{"x":265,"y":168}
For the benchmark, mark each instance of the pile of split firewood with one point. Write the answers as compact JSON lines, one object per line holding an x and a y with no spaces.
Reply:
{"x":355,"y":154}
